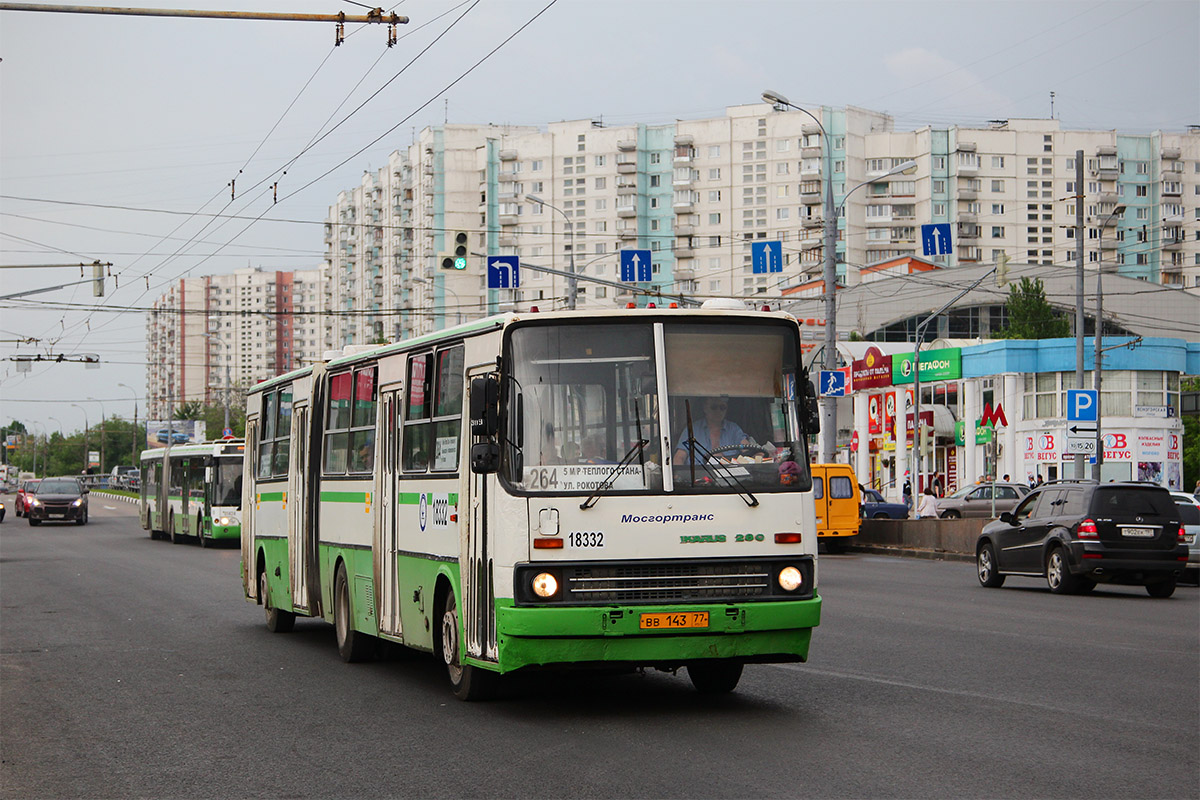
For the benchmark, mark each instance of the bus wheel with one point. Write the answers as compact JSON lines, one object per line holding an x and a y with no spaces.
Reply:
{"x":352,"y":645}
{"x":174,"y":537}
{"x":466,"y":681}
{"x":278,"y":620}
{"x":715,"y":677}
{"x":200,"y":532}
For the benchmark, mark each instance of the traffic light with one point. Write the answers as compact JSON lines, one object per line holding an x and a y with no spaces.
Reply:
{"x":457,"y":257}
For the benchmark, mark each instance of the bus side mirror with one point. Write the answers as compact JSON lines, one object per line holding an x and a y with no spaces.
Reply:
{"x":485,"y":405}
{"x":485,"y":458}
{"x":813,"y":409}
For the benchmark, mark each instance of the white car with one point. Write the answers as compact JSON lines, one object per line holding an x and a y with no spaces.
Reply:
{"x":1189,"y":515}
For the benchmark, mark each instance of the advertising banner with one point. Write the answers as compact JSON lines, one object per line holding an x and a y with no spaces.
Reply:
{"x":177,"y":431}
{"x":875,"y":414}
{"x":936,"y":365}
{"x":873,"y":371}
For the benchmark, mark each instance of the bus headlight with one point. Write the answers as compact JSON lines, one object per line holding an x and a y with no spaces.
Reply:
{"x":790,"y":579}
{"x":226,"y":521}
{"x":545,"y":585}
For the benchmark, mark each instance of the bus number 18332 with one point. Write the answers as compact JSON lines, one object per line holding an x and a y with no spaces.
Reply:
{"x":536,"y":491}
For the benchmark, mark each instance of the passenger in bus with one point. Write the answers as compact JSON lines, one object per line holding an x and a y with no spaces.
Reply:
{"x":713,"y":431}
{"x":364,"y":457}
{"x":593,"y":451}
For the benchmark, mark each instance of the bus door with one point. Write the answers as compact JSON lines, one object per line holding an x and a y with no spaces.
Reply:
{"x":386,"y":545}
{"x":478,"y":590}
{"x":296,"y":501}
{"x":249,"y":494}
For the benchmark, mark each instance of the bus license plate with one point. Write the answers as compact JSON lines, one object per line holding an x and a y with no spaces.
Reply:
{"x":1138,"y":533}
{"x":686,"y":619}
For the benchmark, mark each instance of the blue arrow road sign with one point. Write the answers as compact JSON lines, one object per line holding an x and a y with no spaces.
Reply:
{"x":503,"y":272}
{"x":1081,"y":405}
{"x":935,"y":239}
{"x":635,"y":266}
{"x":833,"y":383}
{"x":766,"y":257}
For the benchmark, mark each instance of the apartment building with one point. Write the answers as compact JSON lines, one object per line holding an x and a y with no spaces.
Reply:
{"x":698,"y":193}
{"x":209,"y":335}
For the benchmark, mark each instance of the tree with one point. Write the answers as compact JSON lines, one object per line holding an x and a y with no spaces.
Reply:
{"x":1030,"y":315}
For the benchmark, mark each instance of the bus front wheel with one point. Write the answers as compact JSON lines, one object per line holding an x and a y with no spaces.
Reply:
{"x":278,"y":620}
{"x":200,"y":530}
{"x":467,"y":682}
{"x":715,"y":677}
{"x":352,"y":645}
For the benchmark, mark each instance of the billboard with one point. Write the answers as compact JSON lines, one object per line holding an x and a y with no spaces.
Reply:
{"x":176,"y":431}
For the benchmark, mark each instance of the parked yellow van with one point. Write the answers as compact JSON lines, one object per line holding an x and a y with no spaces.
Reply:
{"x":836,"y":494}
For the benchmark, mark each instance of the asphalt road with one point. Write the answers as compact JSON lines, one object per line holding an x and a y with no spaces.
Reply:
{"x":132,"y":668}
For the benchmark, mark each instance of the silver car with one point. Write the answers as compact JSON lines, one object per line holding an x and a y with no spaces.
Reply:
{"x":1189,"y":516}
{"x":983,"y":500}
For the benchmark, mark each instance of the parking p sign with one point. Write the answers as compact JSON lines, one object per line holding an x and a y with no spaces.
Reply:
{"x":1081,"y":405}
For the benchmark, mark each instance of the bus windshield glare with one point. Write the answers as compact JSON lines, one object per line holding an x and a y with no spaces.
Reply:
{"x":581,"y":396}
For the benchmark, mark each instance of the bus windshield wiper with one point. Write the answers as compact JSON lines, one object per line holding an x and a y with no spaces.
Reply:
{"x":612,"y":476}
{"x":710,"y":462}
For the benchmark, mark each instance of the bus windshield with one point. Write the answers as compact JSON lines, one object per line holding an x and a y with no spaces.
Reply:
{"x":582,"y":396}
{"x":227,"y":486}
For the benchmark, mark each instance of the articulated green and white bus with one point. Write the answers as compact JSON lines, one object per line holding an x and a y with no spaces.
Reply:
{"x":545,"y":490}
{"x":193,"y":491}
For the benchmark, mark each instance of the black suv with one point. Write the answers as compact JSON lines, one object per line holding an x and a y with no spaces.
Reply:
{"x":59,"y":498}
{"x":1079,"y":533}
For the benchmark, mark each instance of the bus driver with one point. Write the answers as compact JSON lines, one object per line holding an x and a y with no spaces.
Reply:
{"x":713,"y":432}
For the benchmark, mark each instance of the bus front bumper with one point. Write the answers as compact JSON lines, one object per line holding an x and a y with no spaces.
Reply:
{"x":763,"y":632}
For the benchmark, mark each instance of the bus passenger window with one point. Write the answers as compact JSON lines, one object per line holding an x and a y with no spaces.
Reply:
{"x":417,"y":427}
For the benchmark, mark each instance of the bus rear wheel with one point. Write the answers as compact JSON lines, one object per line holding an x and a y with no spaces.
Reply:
{"x":278,"y":620}
{"x":715,"y":677}
{"x":200,"y":531}
{"x":352,"y":645}
{"x":466,"y":681}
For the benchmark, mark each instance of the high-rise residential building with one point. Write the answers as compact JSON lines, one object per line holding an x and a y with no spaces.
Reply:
{"x":698,"y":193}
{"x":208,"y":338}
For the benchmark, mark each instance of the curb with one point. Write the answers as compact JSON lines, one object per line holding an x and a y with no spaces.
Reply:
{"x":929,"y":555}
{"x":110,"y":496}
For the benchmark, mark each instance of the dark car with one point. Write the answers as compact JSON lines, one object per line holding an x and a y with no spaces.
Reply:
{"x":58,"y":498}
{"x":1076,"y":534}
{"x":24,"y":492}
{"x":874,"y":506}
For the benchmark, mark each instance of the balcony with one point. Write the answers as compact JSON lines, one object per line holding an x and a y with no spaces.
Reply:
{"x":626,"y":167}
{"x":811,"y":152}
{"x":627,"y":232}
{"x":883,"y":219}
{"x":682,"y":182}
{"x":627,"y":144}
{"x":684,"y":139}
{"x":1172,"y":242}
{"x":684,"y":274}
{"x":1172,"y":189}
{"x":968,"y":232}
{"x":508,"y":155}
{"x":685,"y":230}
{"x":507,"y":239}
{"x":684,"y":251}
{"x":1106,"y":150}
{"x":968,"y":194}
{"x":1108,"y":222}
{"x":684,"y":207}
{"x":968,"y":218}
{"x":1107,"y":198}
{"x":1107,"y":173}
{"x":812,"y":222}
{"x":625,"y":212}
{"x":1109,"y":244}
{"x":509,"y":219}
{"x":966,"y":147}
{"x":1171,"y":153}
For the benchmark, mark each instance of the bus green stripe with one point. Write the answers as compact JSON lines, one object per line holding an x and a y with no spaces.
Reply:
{"x":344,"y":497}
{"x":267,"y":497}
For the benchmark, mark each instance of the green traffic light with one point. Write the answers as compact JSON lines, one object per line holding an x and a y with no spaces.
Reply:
{"x":460,"y":262}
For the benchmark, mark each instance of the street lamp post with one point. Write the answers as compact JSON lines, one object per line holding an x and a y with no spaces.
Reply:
{"x":829,"y":267}
{"x":86,"y":429}
{"x":135,"y":422}
{"x":103,"y":414}
{"x":1099,"y":337}
{"x":572,"y":283}
{"x":432,"y":284}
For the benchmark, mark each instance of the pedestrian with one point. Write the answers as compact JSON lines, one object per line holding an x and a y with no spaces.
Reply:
{"x":928,"y":505}
{"x":907,"y":490}
{"x":1006,"y":477}
{"x":937,"y":486}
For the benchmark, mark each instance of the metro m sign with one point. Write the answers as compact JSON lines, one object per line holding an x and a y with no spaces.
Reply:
{"x":993,"y":417}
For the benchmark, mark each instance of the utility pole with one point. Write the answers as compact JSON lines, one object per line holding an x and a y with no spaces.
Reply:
{"x":1079,"y":237}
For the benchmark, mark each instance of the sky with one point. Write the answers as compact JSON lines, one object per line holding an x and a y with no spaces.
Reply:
{"x":120,"y":135}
